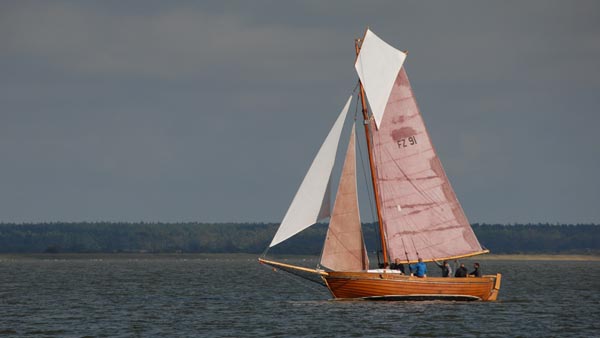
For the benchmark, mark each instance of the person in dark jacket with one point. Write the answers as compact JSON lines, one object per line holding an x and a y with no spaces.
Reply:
{"x":446,"y":269}
{"x":461,"y":271}
{"x":397,"y":265}
{"x":476,"y":272}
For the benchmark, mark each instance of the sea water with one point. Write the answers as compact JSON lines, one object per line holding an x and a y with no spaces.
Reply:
{"x":234,"y":296}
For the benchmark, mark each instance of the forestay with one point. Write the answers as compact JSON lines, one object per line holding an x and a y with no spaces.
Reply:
{"x":307,"y":205}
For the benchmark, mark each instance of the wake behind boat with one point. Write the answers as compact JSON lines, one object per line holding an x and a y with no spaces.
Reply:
{"x":419,"y":216}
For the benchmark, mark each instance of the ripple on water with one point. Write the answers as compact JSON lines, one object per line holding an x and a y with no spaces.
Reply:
{"x":233,"y":296}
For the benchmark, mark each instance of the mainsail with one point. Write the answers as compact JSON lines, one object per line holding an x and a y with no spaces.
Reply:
{"x":344,"y":248}
{"x":420,"y":211}
{"x":307,"y":205}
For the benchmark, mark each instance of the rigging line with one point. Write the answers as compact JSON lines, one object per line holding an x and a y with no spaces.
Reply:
{"x":370,"y":193}
{"x":355,"y":106}
{"x":342,"y":244}
{"x":444,"y":175}
{"x":407,"y":223}
{"x":364,"y":170}
{"x":415,"y":247}
{"x":293,"y":273}
{"x":439,"y":245}
{"x":423,"y":192}
{"x":404,"y":247}
{"x":377,"y":158}
{"x":264,"y":254}
{"x":324,"y":242}
{"x":427,"y":195}
{"x":415,"y":185}
{"x":380,"y":224}
{"x":323,"y":247}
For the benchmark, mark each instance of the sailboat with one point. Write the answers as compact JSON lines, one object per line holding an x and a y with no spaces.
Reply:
{"x":419,"y":217}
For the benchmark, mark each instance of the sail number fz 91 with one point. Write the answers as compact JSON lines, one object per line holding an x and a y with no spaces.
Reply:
{"x":405,"y":142}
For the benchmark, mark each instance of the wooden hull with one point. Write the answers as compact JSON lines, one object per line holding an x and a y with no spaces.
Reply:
{"x":385,"y":286}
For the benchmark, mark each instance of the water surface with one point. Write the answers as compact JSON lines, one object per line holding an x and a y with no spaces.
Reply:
{"x":234,"y":296}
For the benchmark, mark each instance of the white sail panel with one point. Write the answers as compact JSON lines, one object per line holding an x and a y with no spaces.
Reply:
{"x":308,"y":202}
{"x":421,"y":214}
{"x":377,"y":66}
{"x":344,"y":248}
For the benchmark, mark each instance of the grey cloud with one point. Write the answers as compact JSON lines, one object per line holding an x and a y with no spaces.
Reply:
{"x":212,"y":111}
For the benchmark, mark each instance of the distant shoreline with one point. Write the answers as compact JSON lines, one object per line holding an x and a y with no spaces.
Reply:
{"x":64,"y":256}
{"x":582,"y":239}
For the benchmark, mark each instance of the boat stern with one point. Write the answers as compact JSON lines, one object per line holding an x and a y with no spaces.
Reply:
{"x":496,"y":288}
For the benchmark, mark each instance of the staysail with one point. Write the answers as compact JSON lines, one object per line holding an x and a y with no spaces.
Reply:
{"x":344,"y":248}
{"x":307,"y":205}
{"x":421,"y":214}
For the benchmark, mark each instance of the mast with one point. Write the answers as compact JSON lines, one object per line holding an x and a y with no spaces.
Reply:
{"x":365,"y":112}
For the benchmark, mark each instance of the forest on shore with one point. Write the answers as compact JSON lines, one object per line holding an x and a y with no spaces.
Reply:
{"x":110,"y":237}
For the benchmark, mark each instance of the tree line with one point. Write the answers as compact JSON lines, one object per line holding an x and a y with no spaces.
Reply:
{"x":91,"y":237}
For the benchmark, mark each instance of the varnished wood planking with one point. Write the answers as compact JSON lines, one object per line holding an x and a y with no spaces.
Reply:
{"x":360,"y":285}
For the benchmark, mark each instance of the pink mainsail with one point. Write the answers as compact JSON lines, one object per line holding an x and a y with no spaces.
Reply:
{"x":421,"y":214}
{"x":344,"y":248}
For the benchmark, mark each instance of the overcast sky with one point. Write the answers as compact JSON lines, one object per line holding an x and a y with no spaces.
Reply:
{"x":212,"y":111}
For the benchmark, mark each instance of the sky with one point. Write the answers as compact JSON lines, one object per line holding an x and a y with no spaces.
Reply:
{"x":211,"y":111}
